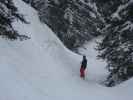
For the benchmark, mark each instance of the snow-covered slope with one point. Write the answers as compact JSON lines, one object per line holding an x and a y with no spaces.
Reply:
{"x":41,"y":68}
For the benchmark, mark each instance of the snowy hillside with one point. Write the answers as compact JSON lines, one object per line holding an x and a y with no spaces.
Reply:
{"x":41,"y":68}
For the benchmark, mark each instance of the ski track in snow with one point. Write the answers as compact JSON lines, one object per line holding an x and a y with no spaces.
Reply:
{"x":41,"y":68}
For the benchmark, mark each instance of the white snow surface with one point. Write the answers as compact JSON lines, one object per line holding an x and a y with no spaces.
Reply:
{"x":41,"y":68}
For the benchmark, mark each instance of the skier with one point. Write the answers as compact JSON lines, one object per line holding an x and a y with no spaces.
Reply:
{"x":83,"y":67}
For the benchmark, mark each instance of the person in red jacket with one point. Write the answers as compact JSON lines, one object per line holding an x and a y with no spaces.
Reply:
{"x":83,"y":67}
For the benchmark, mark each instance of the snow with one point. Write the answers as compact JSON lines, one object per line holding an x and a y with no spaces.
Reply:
{"x":92,"y":14}
{"x":41,"y":68}
{"x":128,"y":26}
{"x":68,"y":15}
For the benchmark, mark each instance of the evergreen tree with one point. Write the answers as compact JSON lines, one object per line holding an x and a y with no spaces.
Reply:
{"x":71,"y":20}
{"x":117,"y":45}
{"x":8,"y":13}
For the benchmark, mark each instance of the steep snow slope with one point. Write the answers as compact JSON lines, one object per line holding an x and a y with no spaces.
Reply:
{"x":41,"y":68}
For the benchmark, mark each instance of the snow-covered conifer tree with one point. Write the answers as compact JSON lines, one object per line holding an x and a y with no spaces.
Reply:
{"x":8,"y":13}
